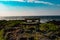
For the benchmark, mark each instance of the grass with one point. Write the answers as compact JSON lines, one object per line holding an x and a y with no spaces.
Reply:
{"x":1,"y":34}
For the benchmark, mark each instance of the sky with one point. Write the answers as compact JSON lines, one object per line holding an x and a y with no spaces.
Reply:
{"x":29,"y":7}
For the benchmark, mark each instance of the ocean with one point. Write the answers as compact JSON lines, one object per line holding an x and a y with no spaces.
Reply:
{"x":42,"y":18}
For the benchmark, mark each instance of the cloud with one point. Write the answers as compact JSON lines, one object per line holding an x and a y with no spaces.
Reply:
{"x":30,"y":0}
{"x":34,"y":1}
{"x":13,"y":11}
{"x":43,"y":2}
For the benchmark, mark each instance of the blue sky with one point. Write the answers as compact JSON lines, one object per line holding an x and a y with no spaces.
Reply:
{"x":29,"y":7}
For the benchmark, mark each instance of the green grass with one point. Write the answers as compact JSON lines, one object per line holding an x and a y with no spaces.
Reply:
{"x":44,"y":27}
{"x":1,"y":34}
